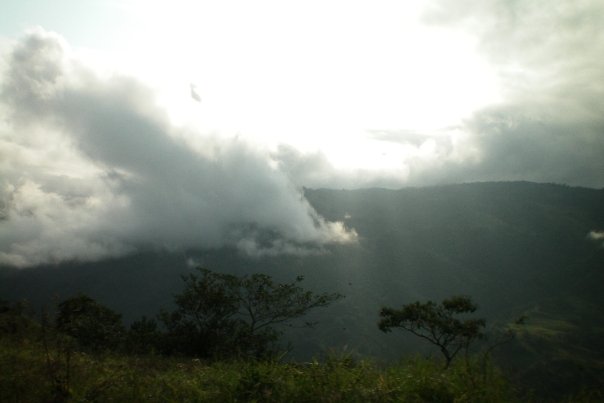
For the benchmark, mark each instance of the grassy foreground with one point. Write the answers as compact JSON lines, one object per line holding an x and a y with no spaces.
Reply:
{"x":30,"y":372}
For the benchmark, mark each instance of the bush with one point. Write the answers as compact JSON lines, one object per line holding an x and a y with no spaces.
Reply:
{"x":94,"y":326}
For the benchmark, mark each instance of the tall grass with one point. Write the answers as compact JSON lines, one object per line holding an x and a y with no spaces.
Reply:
{"x":27,"y":376}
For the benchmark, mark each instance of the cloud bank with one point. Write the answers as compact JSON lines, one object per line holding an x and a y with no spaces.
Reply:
{"x":548,"y":126}
{"x":91,"y":168}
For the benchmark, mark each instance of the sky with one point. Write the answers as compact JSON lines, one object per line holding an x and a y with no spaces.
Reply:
{"x":129,"y":125}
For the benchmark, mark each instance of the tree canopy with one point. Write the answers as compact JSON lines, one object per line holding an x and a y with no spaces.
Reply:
{"x":92,"y":324}
{"x":223,"y":315}
{"x":437,"y":323}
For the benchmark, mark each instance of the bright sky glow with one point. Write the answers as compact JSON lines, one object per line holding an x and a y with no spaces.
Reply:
{"x":316,"y":75}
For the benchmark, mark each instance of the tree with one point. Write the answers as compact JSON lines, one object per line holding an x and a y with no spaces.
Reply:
{"x":16,"y":320}
{"x":203,"y":322}
{"x":143,"y":336}
{"x":224,"y":315}
{"x":264,"y":304}
{"x":93,"y":325}
{"x":437,"y":323}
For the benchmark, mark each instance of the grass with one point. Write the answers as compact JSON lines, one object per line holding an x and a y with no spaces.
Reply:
{"x":38,"y":364}
{"x":31,"y":373}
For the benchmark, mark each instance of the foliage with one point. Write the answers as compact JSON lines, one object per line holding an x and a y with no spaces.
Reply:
{"x":93,"y":325}
{"x":110,"y":377}
{"x":38,"y":363}
{"x":222,"y":315}
{"x":203,"y":322}
{"x":144,"y":336}
{"x":437,"y":323}
{"x":16,"y":319}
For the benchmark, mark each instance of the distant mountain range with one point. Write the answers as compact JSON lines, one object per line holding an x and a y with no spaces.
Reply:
{"x":517,"y":248}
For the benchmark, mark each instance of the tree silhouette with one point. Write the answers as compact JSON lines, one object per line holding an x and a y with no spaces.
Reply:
{"x":93,"y":325}
{"x":222,"y":314}
{"x":437,"y":323}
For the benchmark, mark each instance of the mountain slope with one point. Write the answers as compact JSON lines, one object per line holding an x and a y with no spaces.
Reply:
{"x":517,"y":248}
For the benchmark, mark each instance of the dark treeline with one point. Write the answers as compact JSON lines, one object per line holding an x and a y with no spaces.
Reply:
{"x":217,"y":316}
{"x":222,"y":318}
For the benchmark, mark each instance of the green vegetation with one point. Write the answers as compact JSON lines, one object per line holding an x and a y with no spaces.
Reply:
{"x":30,"y":376}
{"x":93,"y":325}
{"x":437,"y":323}
{"x":86,"y":355}
{"x":221,"y":315}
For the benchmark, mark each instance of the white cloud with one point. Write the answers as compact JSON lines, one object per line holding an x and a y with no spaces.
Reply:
{"x":550,"y":125}
{"x":547,"y":127}
{"x":596,"y":236}
{"x":92,"y":168}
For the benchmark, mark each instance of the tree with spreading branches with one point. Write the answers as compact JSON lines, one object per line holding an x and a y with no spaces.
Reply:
{"x":222,"y":314}
{"x":437,"y":323}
